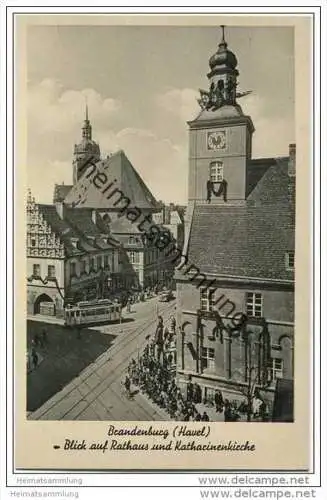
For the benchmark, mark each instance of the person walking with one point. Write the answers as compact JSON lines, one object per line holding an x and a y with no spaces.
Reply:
{"x":219,"y":401}
{"x":189,"y":390}
{"x":205,"y":417}
{"x":159,"y":338}
{"x":44,"y":337}
{"x":35,"y":359}
{"x":127,"y":385}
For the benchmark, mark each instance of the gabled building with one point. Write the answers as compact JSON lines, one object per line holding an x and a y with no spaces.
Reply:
{"x":111,"y":187}
{"x":172,"y":218}
{"x":71,"y":256}
{"x":235,"y":287}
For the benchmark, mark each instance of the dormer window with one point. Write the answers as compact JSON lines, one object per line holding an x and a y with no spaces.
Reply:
{"x":290,"y":261}
{"x":216,"y":171}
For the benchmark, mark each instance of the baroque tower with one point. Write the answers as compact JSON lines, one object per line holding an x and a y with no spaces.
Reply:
{"x":220,"y":137}
{"x":87,"y":148}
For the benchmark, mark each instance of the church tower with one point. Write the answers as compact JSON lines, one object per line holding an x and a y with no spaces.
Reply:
{"x":86,"y":148}
{"x":220,"y":137}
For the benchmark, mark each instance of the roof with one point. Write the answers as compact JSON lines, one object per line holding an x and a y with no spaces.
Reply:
{"x":251,"y":239}
{"x":77,"y":225}
{"x":60,"y":192}
{"x":122,"y":225}
{"x":61,"y":228}
{"x":226,"y":114}
{"x":118,"y":170}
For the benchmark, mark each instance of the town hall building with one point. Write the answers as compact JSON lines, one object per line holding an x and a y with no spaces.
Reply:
{"x":235,"y":287}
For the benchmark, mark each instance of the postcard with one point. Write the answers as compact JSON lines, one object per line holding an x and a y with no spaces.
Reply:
{"x":162,"y":243}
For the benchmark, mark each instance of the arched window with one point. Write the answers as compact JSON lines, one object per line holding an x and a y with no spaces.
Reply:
{"x":216,"y":171}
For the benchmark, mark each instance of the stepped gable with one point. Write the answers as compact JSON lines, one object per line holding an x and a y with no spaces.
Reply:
{"x":119,"y":171}
{"x":60,"y":192}
{"x":248,"y":240}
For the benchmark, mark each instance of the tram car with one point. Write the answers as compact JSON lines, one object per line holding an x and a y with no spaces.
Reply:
{"x":97,"y":311}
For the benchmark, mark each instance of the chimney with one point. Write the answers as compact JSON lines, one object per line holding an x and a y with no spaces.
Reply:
{"x":292,"y":160}
{"x":60,"y":209}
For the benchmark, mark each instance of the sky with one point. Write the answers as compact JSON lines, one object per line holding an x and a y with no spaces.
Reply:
{"x":141,"y":84}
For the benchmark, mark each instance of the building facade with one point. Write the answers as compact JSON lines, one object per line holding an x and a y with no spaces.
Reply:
{"x":70,"y":257}
{"x":235,"y":287}
{"x":172,"y":218}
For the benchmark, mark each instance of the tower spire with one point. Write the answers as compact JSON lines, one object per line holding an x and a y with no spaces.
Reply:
{"x":87,"y":127}
{"x":86,"y":147}
{"x":86,"y":110}
{"x":223,"y":33}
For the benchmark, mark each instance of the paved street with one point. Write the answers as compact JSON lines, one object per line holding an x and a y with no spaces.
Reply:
{"x":97,"y":393}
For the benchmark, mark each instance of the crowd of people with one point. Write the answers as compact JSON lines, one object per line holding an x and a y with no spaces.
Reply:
{"x":135,"y":296}
{"x":154,"y":375}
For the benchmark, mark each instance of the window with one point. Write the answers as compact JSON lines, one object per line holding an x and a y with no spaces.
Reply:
{"x":207,"y":299}
{"x":289,"y":260}
{"x":106,"y":261}
{"x":208,"y":358}
{"x":131,"y":240}
{"x":216,"y":171}
{"x":254,"y":304}
{"x":275,"y":368}
{"x":33,"y":242}
{"x":99,"y":262}
{"x":51,"y":271}
{"x":92,"y":264}
{"x":36,"y":270}
{"x":133,"y":257}
{"x":73,"y":269}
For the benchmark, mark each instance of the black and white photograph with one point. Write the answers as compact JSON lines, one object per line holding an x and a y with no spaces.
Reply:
{"x":160,"y":223}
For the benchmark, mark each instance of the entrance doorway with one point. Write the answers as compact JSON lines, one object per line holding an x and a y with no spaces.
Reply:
{"x":44,"y":305}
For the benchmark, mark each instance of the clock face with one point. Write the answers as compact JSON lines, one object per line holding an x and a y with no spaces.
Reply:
{"x":217,"y":140}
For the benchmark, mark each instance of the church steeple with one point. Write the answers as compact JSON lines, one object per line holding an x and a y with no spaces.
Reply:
{"x":87,"y":127}
{"x":86,"y":148}
{"x":222,"y":78}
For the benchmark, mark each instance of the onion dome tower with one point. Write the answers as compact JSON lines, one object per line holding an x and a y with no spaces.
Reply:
{"x":87,"y":148}
{"x":222,"y":79}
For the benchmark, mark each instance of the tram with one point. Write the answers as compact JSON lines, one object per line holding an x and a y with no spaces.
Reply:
{"x":97,"y":311}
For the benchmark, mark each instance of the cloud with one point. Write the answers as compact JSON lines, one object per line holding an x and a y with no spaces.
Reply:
{"x":51,"y":108}
{"x":43,"y":176}
{"x":273,"y":132}
{"x":179,"y":102}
